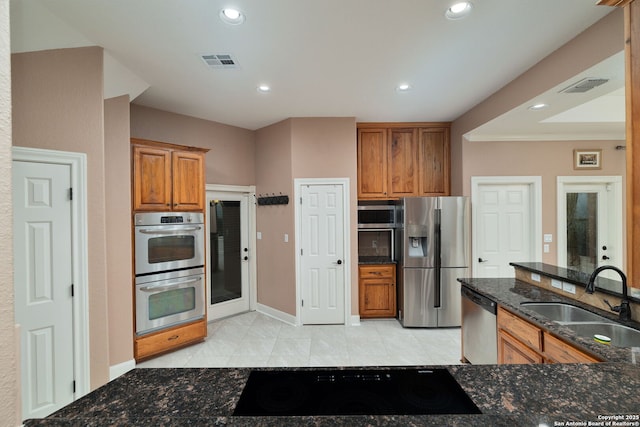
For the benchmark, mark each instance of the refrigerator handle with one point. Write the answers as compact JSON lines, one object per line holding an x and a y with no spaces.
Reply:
{"x":437,"y":300}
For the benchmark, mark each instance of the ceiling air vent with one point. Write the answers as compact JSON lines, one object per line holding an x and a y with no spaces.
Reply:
{"x":584,"y":85}
{"x":219,"y":61}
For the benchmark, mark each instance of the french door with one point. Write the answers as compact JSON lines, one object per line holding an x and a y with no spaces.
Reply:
{"x":229,"y":254}
{"x":590,"y":223}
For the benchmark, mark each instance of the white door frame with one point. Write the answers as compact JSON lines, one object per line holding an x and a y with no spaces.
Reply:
{"x":346,"y":227}
{"x":250,"y":190}
{"x":615,"y":209}
{"x":79,"y":251}
{"x":535,"y":183}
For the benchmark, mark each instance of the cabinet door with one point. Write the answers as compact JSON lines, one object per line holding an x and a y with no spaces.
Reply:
{"x":372,"y":164}
{"x":188,"y":181}
{"x":403,"y":163}
{"x":433,"y":150}
{"x":151,"y":178}
{"x":512,"y":351}
{"x":377,"y":298}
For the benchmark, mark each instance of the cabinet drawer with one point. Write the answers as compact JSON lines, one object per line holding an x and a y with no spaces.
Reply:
{"x":559,"y":351}
{"x":168,"y":340}
{"x":520,"y":329}
{"x":376,"y":271}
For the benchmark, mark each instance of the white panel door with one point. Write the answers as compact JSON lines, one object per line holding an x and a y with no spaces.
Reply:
{"x":322,"y":255}
{"x":503,"y":229}
{"x":42,"y":280}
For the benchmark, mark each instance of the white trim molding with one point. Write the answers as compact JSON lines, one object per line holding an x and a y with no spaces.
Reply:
{"x":121,"y":368}
{"x":277,"y":314}
{"x":80,"y":266}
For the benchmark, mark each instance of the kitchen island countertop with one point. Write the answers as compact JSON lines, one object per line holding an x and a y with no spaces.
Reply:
{"x":507,"y":395}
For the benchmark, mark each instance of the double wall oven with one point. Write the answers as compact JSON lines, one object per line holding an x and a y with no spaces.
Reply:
{"x":169,"y":269}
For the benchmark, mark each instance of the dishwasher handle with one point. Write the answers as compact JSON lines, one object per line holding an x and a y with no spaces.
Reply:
{"x":480,"y":300}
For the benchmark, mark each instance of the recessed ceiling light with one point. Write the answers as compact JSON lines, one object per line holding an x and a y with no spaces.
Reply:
{"x":539,"y":106}
{"x":232,"y":16}
{"x":403,"y":87}
{"x":264,"y":88}
{"x":459,"y":10}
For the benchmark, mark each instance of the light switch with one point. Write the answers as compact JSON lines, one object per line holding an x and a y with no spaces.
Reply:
{"x":259,"y":235}
{"x":286,"y":238}
{"x":548,"y":238}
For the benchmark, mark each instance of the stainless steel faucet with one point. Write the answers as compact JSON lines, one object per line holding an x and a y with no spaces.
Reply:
{"x":624,"y":308}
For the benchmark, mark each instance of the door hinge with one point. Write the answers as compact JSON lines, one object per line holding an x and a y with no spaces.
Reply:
{"x":72,"y":290}
{"x":73,"y":384}
{"x":300,"y":199}
{"x":302,"y":302}
{"x":301,"y":252}
{"x":71,"y":193}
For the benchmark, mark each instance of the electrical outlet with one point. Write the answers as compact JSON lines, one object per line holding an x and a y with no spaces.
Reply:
{"x":286,"y":238}
{"x":374,"y":243}
{"x":568,"y":287}
{"x":535,"y":277}
{"x":556,"y":283}
{"x":545,"y":248}
{"x":259,"y":235}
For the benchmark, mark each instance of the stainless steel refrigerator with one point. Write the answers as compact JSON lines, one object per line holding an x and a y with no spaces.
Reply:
{"x":433,"y":248}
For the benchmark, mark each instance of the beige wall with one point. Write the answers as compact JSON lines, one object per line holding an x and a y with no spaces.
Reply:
{"x":275,"y":258}
{"x":118,"y":227}
{"x":291,"y":149}
{"x":232,"y":151}
{"x":58,"y":105}
{"x":327,"y":148}
{"x":9,"y":377}
{"x":548,"y":159}
{"x":602,"y":40}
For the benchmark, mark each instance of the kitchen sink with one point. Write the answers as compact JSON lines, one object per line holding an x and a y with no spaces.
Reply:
{"x":564,"y":313}
{"x":621,"y":336}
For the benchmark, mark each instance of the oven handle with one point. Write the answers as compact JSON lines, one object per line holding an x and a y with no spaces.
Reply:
{"x":175,"y":285}
{"x":169,"y":230}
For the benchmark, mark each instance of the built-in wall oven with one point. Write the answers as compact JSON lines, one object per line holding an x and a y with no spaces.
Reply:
{"x":169,"y":269}
{"x":167,"y":241}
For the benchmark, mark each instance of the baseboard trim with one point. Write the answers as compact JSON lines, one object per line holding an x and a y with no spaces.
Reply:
{"x":355,"y":320}
{"x":276,"y":314}
{"x":121,"y":368}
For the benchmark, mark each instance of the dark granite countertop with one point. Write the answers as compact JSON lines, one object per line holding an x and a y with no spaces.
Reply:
{"x":613,"y":287}
{"x":507,"y":395}
{"x":511,"y":293}
{"x":373,"y":260}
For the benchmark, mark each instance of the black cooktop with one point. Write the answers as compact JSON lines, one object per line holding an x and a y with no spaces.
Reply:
{"x":353,"y":392}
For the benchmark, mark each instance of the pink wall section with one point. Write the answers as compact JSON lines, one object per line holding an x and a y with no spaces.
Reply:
{"x":291,"y":149}
{"x":58,"y":105}
{"x":276,"y":259}
{"x":118,"y":217}
{"x":230,"y":159}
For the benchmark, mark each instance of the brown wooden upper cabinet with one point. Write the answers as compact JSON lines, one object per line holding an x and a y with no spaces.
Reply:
{"x":167,"y":177}
{"x":402,"y":160}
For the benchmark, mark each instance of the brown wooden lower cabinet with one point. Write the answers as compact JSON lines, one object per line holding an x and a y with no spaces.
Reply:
{"x":521,"y":342}
{"x":377,"y":290}
{"x":512,"y":351}
{"x":170,"y":339}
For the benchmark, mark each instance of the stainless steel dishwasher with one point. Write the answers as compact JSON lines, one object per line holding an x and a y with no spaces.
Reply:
{"x":479,"y":332}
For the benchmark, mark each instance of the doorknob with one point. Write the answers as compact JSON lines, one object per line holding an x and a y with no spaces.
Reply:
{"x":482,"y":260}
{"x":246,"y":258}
{"x":339,"y":262}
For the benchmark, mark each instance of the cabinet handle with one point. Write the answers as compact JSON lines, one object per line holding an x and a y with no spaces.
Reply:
{"x":175,"y":337}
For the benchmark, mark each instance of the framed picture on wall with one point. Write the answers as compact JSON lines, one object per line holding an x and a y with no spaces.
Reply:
{"x":587,"y":159}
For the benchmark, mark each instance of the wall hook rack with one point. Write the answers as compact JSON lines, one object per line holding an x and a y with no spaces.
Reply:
{"x":273,"y":200}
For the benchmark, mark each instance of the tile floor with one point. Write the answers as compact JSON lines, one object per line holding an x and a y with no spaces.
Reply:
{"x":256,"y":340}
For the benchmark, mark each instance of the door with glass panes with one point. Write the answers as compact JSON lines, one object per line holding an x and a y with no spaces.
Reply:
{"x":228,"y":254}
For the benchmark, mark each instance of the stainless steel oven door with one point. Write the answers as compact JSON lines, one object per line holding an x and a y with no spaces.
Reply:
{"x":169,"y":299}
{"x":168,"y":241}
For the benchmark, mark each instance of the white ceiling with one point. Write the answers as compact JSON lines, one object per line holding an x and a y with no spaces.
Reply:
{"x":322,"y":58}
